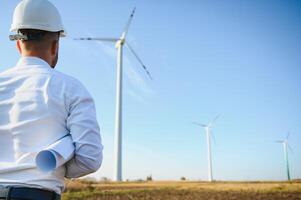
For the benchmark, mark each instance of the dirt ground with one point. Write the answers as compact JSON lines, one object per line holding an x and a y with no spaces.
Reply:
{"x":184,"y":190}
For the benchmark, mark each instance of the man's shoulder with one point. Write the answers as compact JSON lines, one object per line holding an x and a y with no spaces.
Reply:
{"x":72,"y":84}
{"x":67,"y":79}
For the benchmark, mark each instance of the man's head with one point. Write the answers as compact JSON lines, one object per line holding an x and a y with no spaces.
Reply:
{"x":38,"y":25}
{"x":38,"y":43}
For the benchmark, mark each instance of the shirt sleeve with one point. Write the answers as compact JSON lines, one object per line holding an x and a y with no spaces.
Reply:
{"x":84,"y":130}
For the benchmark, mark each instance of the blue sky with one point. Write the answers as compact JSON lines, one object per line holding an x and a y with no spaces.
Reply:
{"x":237,"y":58}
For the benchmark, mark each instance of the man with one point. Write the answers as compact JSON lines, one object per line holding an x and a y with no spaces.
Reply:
{"x":39,"y":106}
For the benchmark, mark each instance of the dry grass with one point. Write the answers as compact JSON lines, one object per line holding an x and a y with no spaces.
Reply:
{"x":82,"y":190}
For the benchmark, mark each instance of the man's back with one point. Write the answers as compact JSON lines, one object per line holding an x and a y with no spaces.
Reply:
{"x":38,"y":107}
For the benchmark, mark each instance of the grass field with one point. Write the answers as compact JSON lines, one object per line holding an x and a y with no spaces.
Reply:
{"x":84,"y":190}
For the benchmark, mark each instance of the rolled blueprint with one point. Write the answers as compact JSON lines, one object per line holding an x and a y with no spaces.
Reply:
{"x":55,"y":155}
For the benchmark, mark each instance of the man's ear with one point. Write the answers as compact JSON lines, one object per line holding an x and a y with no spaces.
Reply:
{"x":54,"y":47}
{"x":19,"y":46}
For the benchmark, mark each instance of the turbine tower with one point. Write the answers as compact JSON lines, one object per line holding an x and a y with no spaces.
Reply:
{"x":208,"y":130}
{"x":119,"y":42}
{"x":286,"y":146}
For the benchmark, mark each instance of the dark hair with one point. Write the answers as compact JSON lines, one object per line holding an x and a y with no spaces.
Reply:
{"x":35,"y":35}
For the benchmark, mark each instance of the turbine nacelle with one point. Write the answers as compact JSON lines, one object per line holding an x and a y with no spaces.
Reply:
{"x":119,"y":43}
{"x":285,"y":142}
{"x":210,"y":124}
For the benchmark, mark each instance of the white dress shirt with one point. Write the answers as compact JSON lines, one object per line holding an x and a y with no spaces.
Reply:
{"x":38,"y":106}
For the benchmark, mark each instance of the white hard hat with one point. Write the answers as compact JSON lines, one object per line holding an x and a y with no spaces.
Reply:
{"x":38,"y":15}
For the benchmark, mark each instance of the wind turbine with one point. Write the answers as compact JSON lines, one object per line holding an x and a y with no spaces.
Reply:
{"x":119,"y":42}
{"x":208,"y":134}
{"x":286,"y":146}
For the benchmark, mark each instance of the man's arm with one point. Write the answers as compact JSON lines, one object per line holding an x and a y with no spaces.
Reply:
{"x":84,"y":131}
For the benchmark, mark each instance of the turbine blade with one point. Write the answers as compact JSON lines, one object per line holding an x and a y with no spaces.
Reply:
{"x":99,"y":39}
{"x":127,"y":26}
{"x":140,"y":61}
{"x":215,"y":118}
{"x":199,"y":124}
{"x":279,"y":141}
{"x":211,"y":123}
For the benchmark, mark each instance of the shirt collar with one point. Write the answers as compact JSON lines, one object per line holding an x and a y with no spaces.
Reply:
{"x":27,"y":60}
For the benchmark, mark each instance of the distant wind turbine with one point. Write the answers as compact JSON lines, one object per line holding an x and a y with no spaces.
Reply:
{"x":286,"y":146}
{"x":119,"y":42}
{"x":208,"y":131}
